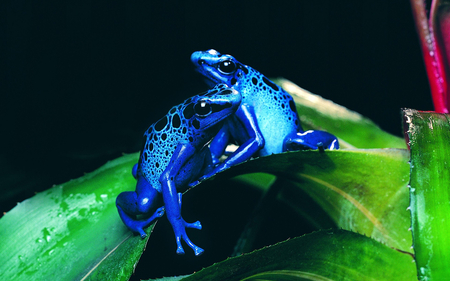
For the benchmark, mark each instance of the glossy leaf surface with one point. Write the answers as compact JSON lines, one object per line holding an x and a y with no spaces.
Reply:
{"x":72,"y":230}
{"x":361,"y":190}
{"x":429,"y":135}
{"x":323,"y":255}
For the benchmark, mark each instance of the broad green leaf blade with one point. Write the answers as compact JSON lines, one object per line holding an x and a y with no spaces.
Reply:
{"x":429,"y":135}
{"x":323,"y":255}
{"x":352,"y":129}
{"x":71,"y":230}
{"x":361,"y":190}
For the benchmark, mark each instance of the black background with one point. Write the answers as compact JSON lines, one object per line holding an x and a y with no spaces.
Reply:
{"x":82,"y":80}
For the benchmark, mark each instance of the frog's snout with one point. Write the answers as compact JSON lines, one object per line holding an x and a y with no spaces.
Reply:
{"x":196,"y":58}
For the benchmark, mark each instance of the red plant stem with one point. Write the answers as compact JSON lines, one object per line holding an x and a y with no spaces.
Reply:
{"x":432,"y":54}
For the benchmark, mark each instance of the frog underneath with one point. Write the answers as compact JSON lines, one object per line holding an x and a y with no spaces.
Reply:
{"x":266,"y":121}
{"x":175,"y":153}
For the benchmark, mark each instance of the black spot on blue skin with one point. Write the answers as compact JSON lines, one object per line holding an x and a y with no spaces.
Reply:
{"x":233,"y":81}
{"x":254,"y":81}
{"x":157,"y":165}
{"x":150,"y":147}
{"x":282,"y":105}
{"x":161,"y":123}
{"x":191,"y":139}
{"x":188,"y":112}
{"x":176,"y":122}
{"x":184,"y":130}
{"x":226,"y":92}
{"x":296,"y":122}
{"x":145,"y":157}
{"x":164,"y":136}
{"x":172,"y":111}
{"x":275,"y":97}
{"x":292,"y":106}
{"x":270,"y":83}
{"x":166,"y":152}
{"x":243,"y":68}
{"x":155,"y":137}
{"x":196,"y":124}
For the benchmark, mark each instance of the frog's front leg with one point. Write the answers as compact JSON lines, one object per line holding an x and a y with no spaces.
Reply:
{"x":172,"y":200}
{"x":130,"y":204}
{"x":310,"y":140}
{"x":219,"y":144}
{"x":253,"y":143}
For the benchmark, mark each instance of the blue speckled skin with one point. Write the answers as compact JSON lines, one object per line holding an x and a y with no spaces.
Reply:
{"x":266,"y":121}
{"x":175,"y":153}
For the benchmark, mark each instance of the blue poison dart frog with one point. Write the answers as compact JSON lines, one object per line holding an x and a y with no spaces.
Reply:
{"x":266,"y":121}
{"x":175,"y":153}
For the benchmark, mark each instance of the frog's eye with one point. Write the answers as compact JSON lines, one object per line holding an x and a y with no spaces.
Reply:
{"x":202,"y":108}
{"x":227,"y":67}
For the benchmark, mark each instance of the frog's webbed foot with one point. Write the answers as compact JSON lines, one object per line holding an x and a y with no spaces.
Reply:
{"x":311,"y":140}
{"x":138,"y":226}
{"x":179,"y":227}
{"x":130,"y":205}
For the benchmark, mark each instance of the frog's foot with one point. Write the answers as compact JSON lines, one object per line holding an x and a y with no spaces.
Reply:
{"x":134,"y":170}
{"x":179,"y":228}
{"x":138,"y":226}
{"x":311,"y":140}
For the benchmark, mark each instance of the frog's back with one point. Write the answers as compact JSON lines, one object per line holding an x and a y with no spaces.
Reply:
{"x":161,"y":140}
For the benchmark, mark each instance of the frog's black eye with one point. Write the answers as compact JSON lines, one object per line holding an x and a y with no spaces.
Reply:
{"x":227,"y":67}
{"x":202,"y":108}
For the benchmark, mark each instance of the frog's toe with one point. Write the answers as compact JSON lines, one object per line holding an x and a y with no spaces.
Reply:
{"x":180,"y":250}
{"x":160,"y":212}
{"x":142,"y":233}
{"x":196,"y":225}
{"x":198,"y":251}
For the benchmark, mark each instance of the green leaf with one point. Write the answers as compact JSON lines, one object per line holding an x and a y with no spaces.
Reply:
{"x":323,"y":255}
{"x":73,"y":230}
{"x":352,"y":129}
{"x":361,"y":190}
{"x":429,"y":135}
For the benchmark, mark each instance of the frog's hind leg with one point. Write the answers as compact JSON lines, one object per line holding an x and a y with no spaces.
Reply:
{"x":310,"y":140}
{"x":131,"y":204}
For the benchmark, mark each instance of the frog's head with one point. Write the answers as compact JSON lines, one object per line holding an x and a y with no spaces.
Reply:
{"x":218,"y":68}
{"x":208,"y":109}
